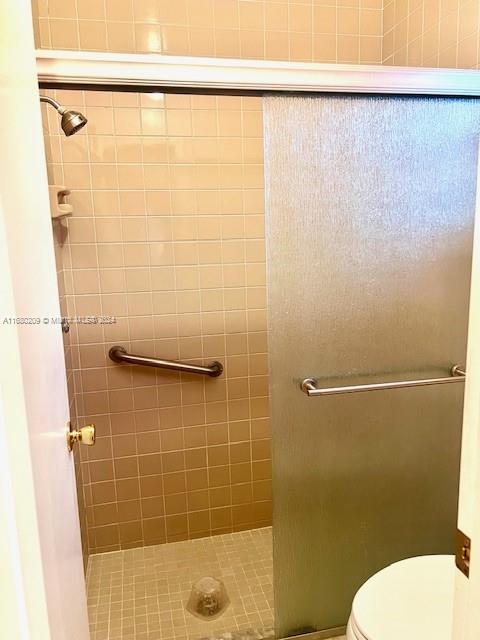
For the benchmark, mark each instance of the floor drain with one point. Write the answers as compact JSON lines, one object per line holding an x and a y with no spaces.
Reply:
{"x":208,"y":598}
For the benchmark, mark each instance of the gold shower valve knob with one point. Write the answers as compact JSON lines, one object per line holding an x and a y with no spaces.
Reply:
{"x":85,"y":435}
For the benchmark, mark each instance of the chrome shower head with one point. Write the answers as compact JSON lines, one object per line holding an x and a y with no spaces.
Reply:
{"x":72,"y":121}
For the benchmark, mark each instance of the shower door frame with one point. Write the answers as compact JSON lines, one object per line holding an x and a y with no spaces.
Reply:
{"x":148,"y":73}
{"x":151,"y":72}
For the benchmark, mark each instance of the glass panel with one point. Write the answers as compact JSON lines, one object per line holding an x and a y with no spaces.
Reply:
{"x":370,"y":204}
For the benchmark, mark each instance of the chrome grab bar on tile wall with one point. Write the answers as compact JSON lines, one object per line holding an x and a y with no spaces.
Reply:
{"x":309,"y":385}
{"x":119,"y":354}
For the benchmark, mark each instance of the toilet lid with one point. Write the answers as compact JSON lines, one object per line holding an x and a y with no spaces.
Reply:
{"x":409,"y":599}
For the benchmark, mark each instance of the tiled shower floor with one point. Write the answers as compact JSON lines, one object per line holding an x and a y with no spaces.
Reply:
{"x":140,"y":594}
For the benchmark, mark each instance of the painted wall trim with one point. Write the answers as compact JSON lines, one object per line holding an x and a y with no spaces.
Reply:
{"x":184,"y":72}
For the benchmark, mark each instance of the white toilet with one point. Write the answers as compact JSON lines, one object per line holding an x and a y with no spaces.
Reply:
{"x":411,"y":599}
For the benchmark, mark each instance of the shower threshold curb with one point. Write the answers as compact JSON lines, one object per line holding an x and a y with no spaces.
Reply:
{"x":268,"y":633}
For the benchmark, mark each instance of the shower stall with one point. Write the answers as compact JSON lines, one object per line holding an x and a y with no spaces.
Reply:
{"x":164,"y":251}
{"x":279,"y":291}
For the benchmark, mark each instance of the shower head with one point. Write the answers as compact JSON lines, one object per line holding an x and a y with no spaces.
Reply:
{"x":72,"y":121}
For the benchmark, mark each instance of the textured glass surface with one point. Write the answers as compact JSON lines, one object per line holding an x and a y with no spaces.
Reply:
{"x":370,"y":205}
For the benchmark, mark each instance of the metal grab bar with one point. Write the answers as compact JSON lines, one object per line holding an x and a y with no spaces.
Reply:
{"x":119,"y":354}
{"x":309,"y":385}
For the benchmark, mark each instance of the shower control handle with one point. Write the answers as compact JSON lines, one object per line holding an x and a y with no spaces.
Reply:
{"x":84,"y":435}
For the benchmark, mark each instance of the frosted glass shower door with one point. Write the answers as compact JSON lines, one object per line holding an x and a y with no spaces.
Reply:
{"x":370,"y":204}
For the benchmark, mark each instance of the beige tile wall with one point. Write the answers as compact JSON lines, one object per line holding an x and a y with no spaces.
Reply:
{"x":303,"y":30}
{"x":432,"y":33}
{"x":436,"y":33}
{"x":167,"y":236}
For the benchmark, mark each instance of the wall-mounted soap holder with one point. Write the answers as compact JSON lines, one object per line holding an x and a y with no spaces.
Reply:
{"x":59,"y":206}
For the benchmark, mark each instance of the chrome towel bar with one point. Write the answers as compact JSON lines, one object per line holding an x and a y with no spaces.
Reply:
{"x":119,"y":354}
{"x":309,"y":385}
